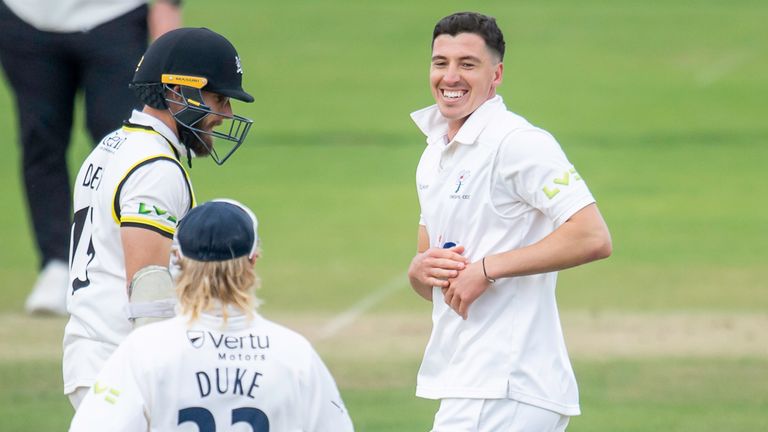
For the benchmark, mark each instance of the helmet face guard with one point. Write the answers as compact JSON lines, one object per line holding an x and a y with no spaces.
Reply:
{"x":230,"y":134}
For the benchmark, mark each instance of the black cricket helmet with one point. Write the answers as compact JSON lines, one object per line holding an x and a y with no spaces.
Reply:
{"x":174,"y":71}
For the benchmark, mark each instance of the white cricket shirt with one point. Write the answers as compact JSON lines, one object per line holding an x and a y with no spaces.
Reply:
{"x":67,"y":16}
{"x":501,"y":184}
{"x":132,"y":178}
{"x":214,"y":377}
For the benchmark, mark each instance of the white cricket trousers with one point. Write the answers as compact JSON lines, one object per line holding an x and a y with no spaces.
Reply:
{"x":495,"y":415}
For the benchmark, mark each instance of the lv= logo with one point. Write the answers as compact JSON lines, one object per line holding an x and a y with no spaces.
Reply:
{"x":564,"y":180}
{"x":145,"y":209}
{"x":110,"y":394}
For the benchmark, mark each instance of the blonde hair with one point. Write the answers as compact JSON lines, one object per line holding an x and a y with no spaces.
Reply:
{"x":215,"y":285}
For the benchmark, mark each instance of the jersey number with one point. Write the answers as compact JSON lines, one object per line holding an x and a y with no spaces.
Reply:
{"x":203,"y":418}
{"x":82,"y":252}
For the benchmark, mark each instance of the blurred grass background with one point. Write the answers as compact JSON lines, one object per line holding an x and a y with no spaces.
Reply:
{"x":660,"y":105}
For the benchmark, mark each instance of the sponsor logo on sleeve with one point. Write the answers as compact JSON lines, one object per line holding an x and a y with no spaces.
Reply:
{"x":565,"y":180}
{"x":148,"y":209}
{"x":110,"y":393}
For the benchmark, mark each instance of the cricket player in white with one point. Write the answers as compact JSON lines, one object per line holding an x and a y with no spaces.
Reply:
{"x":133,"y":189}
{"x":152,"y":196}
{"x":218,"y":363}
{"x":502,"y":210}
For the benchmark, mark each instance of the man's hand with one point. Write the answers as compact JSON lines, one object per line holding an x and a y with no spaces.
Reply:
{"x":164,"y":16}
{"x":434,"y":267}
{"x":463,"y":289}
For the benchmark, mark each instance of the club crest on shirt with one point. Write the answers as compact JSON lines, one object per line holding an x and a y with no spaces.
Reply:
{"x":196,"y":338}
{"x":459,"y":184}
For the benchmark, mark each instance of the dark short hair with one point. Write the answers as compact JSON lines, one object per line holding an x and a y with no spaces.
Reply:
{"x":472,"y":22}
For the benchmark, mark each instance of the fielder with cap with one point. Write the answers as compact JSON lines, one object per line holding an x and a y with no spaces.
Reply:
{"x":218,"y":363}
{"x":133,"y":188}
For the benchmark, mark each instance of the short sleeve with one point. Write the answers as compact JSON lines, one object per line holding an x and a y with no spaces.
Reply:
{"x":114,"y":399}
{"x":534,"y":167}
{"x":322,"y":402}
{"x":155,"y":196}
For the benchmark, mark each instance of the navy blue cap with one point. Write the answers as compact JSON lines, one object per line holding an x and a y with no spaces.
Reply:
{"x":218,"y":230}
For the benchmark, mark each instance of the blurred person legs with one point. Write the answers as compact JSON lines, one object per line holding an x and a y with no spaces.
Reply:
{"x":45,"y":71}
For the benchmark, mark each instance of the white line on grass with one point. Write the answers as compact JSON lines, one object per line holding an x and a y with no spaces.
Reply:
{"x":353,"y":313}
{"x":721,"y":68}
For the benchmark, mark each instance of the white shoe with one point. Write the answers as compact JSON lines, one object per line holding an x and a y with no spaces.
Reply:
{"x":49,"y":295}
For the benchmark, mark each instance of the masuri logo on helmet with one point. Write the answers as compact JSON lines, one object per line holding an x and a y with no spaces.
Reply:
{"x":196,"y":82}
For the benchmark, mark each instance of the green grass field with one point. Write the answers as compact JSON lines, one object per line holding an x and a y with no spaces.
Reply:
{"x":660,"y":105}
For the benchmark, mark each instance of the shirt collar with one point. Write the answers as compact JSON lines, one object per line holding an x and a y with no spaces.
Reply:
{"x":144,"y":119}
{"x":435,"y":126}
{"x":237,"y":319}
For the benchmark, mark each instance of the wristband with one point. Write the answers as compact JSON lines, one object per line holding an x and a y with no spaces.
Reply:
{"x":490,"y":280}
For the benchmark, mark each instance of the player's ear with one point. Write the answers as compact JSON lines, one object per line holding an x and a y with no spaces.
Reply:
{"x":174,"y":93}
{"x":255,"y":255}
{"x":498,"y":74}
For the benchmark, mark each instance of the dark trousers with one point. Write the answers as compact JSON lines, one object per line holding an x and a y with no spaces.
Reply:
{"x":45,"y":71}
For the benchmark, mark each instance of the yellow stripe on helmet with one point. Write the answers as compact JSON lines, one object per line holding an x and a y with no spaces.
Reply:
{"x":185,"y":80}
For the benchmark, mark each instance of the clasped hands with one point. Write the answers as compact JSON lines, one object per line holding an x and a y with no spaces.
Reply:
{"x":460,"y":281}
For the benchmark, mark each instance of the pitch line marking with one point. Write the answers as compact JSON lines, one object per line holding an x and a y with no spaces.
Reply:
{"x":351,"y":315}
{"x":723,"y":67}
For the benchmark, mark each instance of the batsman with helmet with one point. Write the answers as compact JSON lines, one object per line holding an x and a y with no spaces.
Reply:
{"x":133,"y":188}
